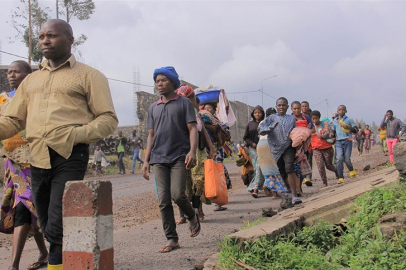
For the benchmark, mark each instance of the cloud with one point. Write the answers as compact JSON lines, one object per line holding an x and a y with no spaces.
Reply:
{"x":352,"y":49}
{"x":371,"y":62}
{"x":250,"y":65}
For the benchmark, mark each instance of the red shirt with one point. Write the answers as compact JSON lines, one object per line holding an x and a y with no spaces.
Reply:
{"x":317,"y":143}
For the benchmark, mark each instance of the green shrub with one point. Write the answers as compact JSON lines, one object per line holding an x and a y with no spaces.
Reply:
{"x":362,"y":245}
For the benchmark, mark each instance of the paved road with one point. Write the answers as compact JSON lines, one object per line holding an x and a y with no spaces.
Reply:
{"x":138,"y":230}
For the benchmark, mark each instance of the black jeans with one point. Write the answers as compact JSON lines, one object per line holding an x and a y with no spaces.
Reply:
{"x":286,"y":163}
{"x":171,"y":183}
{"x":121,"y":166}
{"x":48,"y":186}
{"x":360,"y":146}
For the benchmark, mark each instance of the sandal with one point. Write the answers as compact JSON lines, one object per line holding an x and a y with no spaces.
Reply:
{"x":37,"y":264}
{"x":296,"y":200}
{"x":307,"y":182}
{"x":220,"y":208}
{"x":181,"y":220}
{"x":267,"y":192}
{"x":169,"y":248}
{"x":195,"y":230}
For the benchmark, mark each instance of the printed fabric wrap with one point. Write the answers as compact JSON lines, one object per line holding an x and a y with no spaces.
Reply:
{"x":269,"y":168}
{"x":257,"y":181}
{"x":278,"y":128}
{"x":195,"y":182}
{"x":17,"y":185}
{"x":17,"y":178}
{"x":222,"y":133}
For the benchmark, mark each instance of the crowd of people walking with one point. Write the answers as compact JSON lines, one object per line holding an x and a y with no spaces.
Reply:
{"x":45,"y":148}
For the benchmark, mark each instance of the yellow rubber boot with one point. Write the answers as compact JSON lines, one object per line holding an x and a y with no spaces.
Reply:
{"x":340,"y":181}
{"x":353,"y":174}
{"x":55,"y":267}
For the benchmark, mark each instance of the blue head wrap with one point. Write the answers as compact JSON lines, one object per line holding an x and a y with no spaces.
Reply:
{"x":169,"y":72}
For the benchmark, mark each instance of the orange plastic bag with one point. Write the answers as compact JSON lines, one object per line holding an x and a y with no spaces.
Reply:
{"x":215,"y":187}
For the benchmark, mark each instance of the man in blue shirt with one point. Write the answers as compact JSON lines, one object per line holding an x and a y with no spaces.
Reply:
{"x":344,"y":127}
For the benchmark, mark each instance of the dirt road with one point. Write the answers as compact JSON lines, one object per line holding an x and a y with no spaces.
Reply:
{"x":138,"y":232}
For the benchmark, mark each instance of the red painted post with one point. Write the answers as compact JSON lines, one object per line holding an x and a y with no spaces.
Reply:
{"x":88,"y":226}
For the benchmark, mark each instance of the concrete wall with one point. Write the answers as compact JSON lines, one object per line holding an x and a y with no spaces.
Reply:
{"x":3,"y":79}
{"x":127,"y":130}
{"x":242,"y":112}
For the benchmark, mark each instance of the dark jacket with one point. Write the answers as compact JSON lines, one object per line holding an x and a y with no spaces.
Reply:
{"x":251,"y":135}
{"x":393,"y":126}
{"x":123,"y":141}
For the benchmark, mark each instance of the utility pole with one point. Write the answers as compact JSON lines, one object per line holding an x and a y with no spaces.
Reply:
{"x":57,"y":9}
{"x":136,"y":89}
{"x":29,"y":33}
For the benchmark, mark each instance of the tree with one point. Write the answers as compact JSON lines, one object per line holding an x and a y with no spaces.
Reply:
{"x":81,"y":9}
{"x":361,"y":121}
{"x":28,"y":33}
{"x":374,"y":128}
{"x":27,"y":21}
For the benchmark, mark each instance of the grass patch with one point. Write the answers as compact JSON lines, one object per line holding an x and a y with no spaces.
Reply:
{"x":113,"y":169}
{"x":248,"y":224}
{"x":388,"y":164}
{"x":362,"y":246}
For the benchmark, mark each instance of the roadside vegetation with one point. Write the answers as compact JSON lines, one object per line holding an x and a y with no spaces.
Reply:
{"x":112,"y":169}
{"x":248,"y":224}
{"x":360,"y":244}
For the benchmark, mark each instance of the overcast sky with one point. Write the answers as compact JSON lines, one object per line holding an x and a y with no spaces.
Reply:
{"x":349,"y":52}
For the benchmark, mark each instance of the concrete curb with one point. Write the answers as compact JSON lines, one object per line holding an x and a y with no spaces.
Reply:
{"x":331,"y":204}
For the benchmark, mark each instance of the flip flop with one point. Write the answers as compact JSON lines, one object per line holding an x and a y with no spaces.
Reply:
{"x":169,"y":248}
{"x":194,"y":231}
{"x":296,"y":200}
{"x":220,"y":208}
{"x":309,"y":183}
{"x":267,"y":192}
{"x":37,"y":264}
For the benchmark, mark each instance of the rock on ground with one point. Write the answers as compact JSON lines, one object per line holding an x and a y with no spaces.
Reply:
{"x":399,"y":157}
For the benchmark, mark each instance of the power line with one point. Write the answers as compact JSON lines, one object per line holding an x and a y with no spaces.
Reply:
{"x":107,"y":78}
{"x":244,"y":92}
{"x":14,"y":54}
{"x":130,"y":82}
{"x":319,"y":102}
{"x":270,"y":96}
